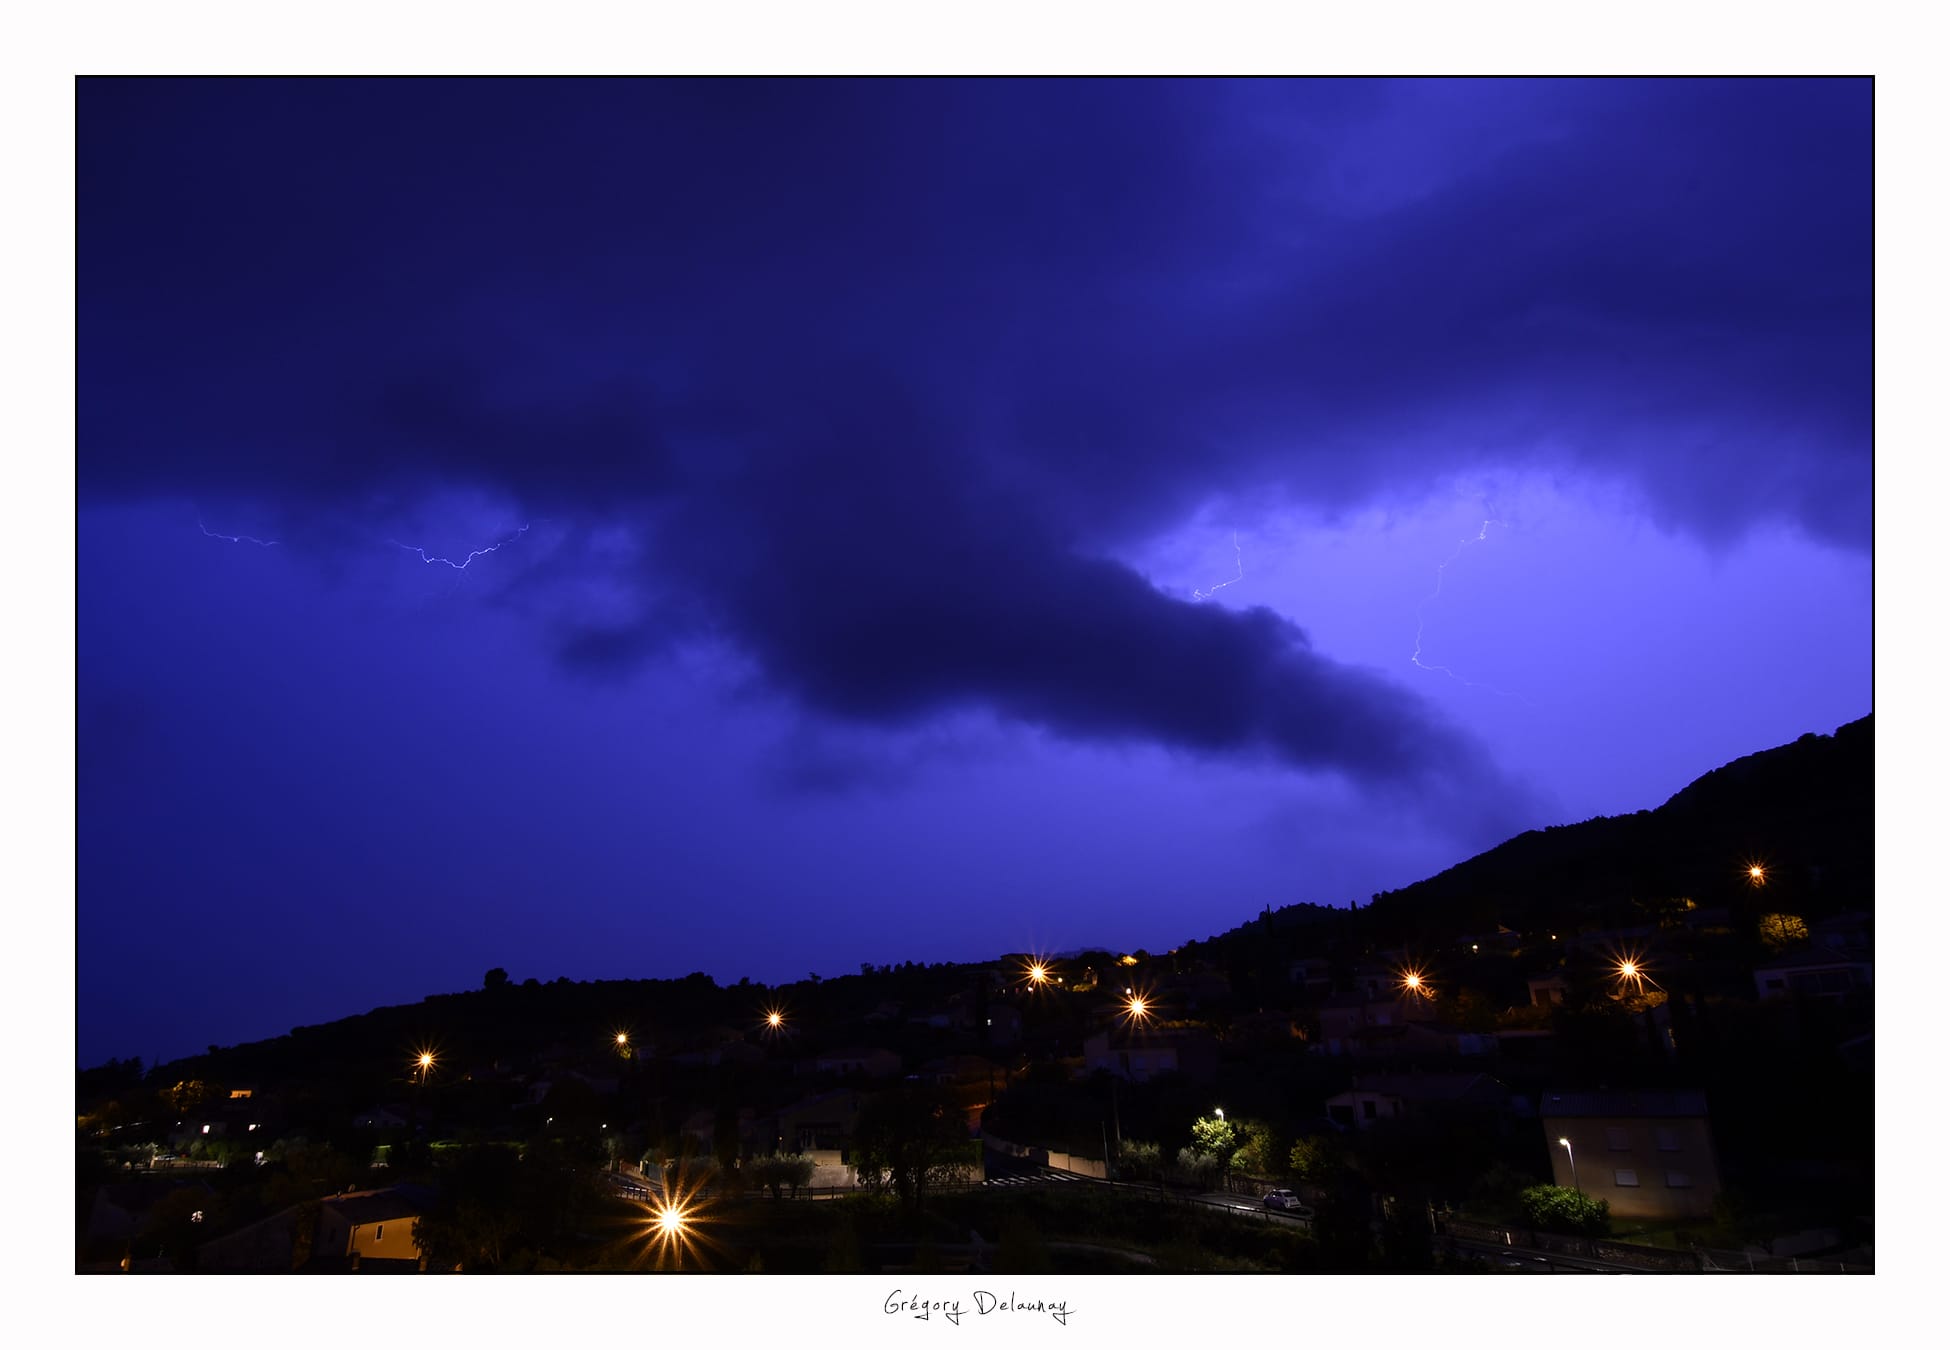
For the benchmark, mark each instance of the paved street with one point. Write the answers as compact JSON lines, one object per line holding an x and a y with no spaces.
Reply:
{"x":1526,"y":1261}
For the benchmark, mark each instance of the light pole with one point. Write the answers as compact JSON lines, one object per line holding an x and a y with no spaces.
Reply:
{"x":424,"y":1063}
{"x":1574,"y":1165}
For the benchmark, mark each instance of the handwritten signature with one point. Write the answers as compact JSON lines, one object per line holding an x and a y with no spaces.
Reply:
{"x":951,"y":1309}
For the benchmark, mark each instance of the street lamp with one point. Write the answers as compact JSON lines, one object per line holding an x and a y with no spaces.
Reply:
{"x":1219,"y":1111}
{"x":425,"y":1062}
{"x":1574,"y":1164}
{"x":1630,"y":970}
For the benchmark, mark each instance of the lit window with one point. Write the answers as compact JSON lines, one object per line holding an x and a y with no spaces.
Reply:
{"x":1667,"y":1138}
{"x":1616,"y":1138}
{"x":1679,"y":1181}
{"x":206,"y":1129}
{"x":1625,"y":1176}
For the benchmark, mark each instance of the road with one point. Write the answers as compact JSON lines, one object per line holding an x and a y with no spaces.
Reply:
{"x":1245,"y":1204}
{"x":1529,"y":1261}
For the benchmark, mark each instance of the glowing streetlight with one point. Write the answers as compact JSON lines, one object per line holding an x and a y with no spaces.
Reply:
{"x":676,"y":1222}
{"x":1136,"y":1009}
{"x":1413,"y":983}
{"x":1219,"y":1111}
{"x":1631,"y":970}
{"x":1039,"y":974}
{"x":775,"y":1020}
{"x":1756,"y":874}
{"x":1574,"y":1164}
{"x":423,"y":1064}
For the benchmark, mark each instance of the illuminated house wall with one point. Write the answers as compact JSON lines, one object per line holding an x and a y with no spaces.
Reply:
{"x":371,"y":1225}
{"x":1650,"y":1154}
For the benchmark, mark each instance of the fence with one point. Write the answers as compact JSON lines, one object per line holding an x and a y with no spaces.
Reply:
{"x":827,"y":1192}
{"x":1741,"y":1263}
{"x":1651,"y":1259}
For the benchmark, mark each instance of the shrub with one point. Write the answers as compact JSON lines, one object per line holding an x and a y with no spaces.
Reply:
{"x":1559,"y":1209}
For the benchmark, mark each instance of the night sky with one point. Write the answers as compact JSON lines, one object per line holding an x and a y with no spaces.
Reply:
{"x":918,"y":521}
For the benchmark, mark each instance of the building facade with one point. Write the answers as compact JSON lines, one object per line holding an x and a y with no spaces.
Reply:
{"x":1648,"y":1154}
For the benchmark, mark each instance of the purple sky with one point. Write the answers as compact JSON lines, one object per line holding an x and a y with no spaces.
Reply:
{"x":875,"y":446}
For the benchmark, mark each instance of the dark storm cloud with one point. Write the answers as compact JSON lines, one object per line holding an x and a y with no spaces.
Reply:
{"x":892,"y":366}
{"x":881,"y":585}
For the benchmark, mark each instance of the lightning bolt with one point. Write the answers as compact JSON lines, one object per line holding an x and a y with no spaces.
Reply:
{"x":1421,"y":620}
{"x":1238,"y":562}
{"x":462,"y":565}
{"x":234,"y":538}
{"x":417,"y":552}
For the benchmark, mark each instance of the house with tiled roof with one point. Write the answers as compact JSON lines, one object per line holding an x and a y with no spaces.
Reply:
{"x":372,"y":1230}
{"x":1381,"y":1097}
{"x":1649,"y":1155}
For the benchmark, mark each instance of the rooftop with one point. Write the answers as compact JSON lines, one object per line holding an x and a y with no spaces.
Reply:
{"x":395,"y":1202}
{"x":1649,"y":1105}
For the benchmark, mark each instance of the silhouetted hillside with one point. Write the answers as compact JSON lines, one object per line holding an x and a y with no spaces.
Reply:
{"x":1804,"y":812}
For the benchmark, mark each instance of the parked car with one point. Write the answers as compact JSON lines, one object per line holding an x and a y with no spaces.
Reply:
{"x":1282,"y":1200}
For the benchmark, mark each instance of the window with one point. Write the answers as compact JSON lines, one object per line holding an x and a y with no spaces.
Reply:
{"x":379,"y":1232}
{"x":1625,"y":1176}
{"x":1776,"y":985}
{"x":1679,"y":1181}
{"x":1616,"y":1139}
{"x":1667,"y":1138}
{"x":1367,"y":1110}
